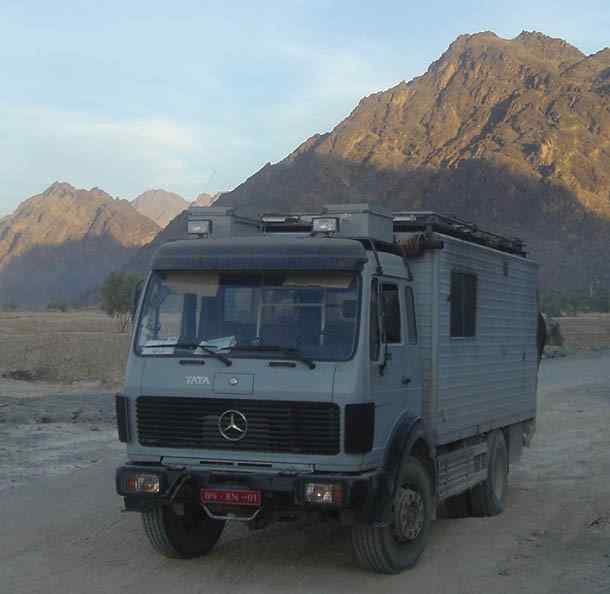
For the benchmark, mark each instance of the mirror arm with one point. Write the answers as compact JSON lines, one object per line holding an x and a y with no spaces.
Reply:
{"x":136,"y":298}
{"x":386,"y":357}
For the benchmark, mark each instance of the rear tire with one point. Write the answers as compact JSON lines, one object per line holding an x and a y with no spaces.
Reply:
{"x":396,"y":547}
{"x":457,"y":506}
{"x":181,"y":537}
{"x":487,"y":499}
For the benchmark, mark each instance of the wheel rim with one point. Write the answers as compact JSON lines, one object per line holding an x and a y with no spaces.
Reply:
{"x":499,"y":482}
{"x":409,"y":515}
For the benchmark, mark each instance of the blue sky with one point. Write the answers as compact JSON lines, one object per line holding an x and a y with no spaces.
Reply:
{"x":197,"y":96}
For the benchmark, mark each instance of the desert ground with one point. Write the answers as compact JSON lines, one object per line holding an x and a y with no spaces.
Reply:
{"x":63,"y":529}
{"x":63,"y":347}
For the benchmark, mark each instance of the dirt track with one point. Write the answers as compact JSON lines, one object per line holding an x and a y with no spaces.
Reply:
{"x":67,"y":534}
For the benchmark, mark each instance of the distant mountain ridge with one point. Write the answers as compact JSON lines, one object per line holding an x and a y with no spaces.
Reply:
{"x":205,"y":199}
{"x":160,"y":206}
{"x":512,"y":134}
{"x":64,"y":241}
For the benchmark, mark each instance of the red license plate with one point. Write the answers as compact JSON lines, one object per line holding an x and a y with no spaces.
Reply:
{"x":231,"y":497}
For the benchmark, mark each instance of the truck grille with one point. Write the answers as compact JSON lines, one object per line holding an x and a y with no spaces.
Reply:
{"x":273,"y":426}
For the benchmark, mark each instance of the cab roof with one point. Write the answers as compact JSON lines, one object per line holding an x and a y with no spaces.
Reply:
{"x":261,"y":253}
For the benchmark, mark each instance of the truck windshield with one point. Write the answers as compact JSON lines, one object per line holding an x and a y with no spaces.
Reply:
{"x":313,"y":312}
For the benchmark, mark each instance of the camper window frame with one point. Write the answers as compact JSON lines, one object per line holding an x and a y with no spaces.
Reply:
{"x":468,"y":337}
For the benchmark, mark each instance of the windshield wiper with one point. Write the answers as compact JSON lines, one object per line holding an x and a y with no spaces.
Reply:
{"x":292,"y":353}
{"x":196,"y":345}
{"x":218,"y":356}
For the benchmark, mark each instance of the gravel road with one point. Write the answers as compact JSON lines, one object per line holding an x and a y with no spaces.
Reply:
{"x":48,"y":430}
{"x":66,"y":533}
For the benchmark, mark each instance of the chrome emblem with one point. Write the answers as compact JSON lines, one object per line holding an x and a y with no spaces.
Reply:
{"x":200,"y":380}
{"x":232,"y":425}
{"x":234,"y":381}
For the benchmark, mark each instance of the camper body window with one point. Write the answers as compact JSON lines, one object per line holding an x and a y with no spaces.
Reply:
{"x":463,"y":304}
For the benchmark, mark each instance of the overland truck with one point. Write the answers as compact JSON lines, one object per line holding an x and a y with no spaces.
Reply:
{"x":353,"y":364}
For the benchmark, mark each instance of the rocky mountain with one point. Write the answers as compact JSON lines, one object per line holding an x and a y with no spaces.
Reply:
{"x":175,"y":229}
{"x":205,"y":199}
{"x":159,"y":205}
{"x":512,"y":134}
{"x":63,"y":242}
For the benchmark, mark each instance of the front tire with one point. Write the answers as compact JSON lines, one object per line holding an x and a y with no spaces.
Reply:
{"x":191,"y":534}
{"x":396,"y":547}
{"x":487,"y":499}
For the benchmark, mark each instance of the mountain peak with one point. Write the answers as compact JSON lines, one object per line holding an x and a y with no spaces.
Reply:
{"x":64,"y":241}
{"x":64,"y":190}
{"x":160,"y":205}
{"x":530,"y":47}
{"x":506,"y":132}
{"x":536,"y":37}
{"x":551,"y":48}
{"x":480,"y":37}
{"x":205,"y":199}
{"x":59,"y":187}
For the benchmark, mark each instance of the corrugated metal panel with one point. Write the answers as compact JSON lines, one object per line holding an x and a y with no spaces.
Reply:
{"x":490,"y":379}
{"x":461,"y":469}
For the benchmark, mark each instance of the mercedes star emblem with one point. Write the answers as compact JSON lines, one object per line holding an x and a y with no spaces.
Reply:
{"x":234,"y":381}
{"x":232,"y":425}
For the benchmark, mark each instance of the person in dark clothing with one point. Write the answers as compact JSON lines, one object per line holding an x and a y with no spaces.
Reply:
{"x":541,"y":336}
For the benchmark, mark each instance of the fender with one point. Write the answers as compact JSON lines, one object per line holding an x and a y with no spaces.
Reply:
{"x":407,"y":431}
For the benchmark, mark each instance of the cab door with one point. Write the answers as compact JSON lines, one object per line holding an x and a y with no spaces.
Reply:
{"x":388,"y":382}
{"x":396,"y":377}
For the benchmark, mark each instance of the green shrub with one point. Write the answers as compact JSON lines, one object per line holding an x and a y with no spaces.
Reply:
{"x":117,"y":294}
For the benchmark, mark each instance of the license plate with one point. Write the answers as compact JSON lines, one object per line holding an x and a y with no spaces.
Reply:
{"x":231,"y":497}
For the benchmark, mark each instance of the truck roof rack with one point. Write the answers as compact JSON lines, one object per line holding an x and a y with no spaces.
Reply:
{"x":409,"y":221}
{"x":356,"y":221}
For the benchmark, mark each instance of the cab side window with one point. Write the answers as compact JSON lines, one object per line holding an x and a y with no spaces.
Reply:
{"x":391,"y":313}
{"x":374,"y":334}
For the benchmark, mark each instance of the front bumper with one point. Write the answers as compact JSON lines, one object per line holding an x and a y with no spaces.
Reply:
{"x":281,"y":492}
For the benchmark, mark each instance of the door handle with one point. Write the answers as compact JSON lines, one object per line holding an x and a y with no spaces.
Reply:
{"x":406,"y":380}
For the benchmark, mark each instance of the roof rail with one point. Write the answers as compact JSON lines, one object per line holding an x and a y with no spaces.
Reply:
{"x":409,"y":221}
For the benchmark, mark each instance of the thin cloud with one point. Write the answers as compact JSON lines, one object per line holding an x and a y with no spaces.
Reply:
{"x":332,"y":82}
{"x":121,"y":156}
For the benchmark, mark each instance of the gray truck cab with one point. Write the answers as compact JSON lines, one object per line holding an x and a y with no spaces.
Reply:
{"x":278,"y":369}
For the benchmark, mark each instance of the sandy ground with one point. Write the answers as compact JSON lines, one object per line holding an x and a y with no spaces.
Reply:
{"x":586,"y":331}
{"x":63,"y":347}
{"x":67,"y":534}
